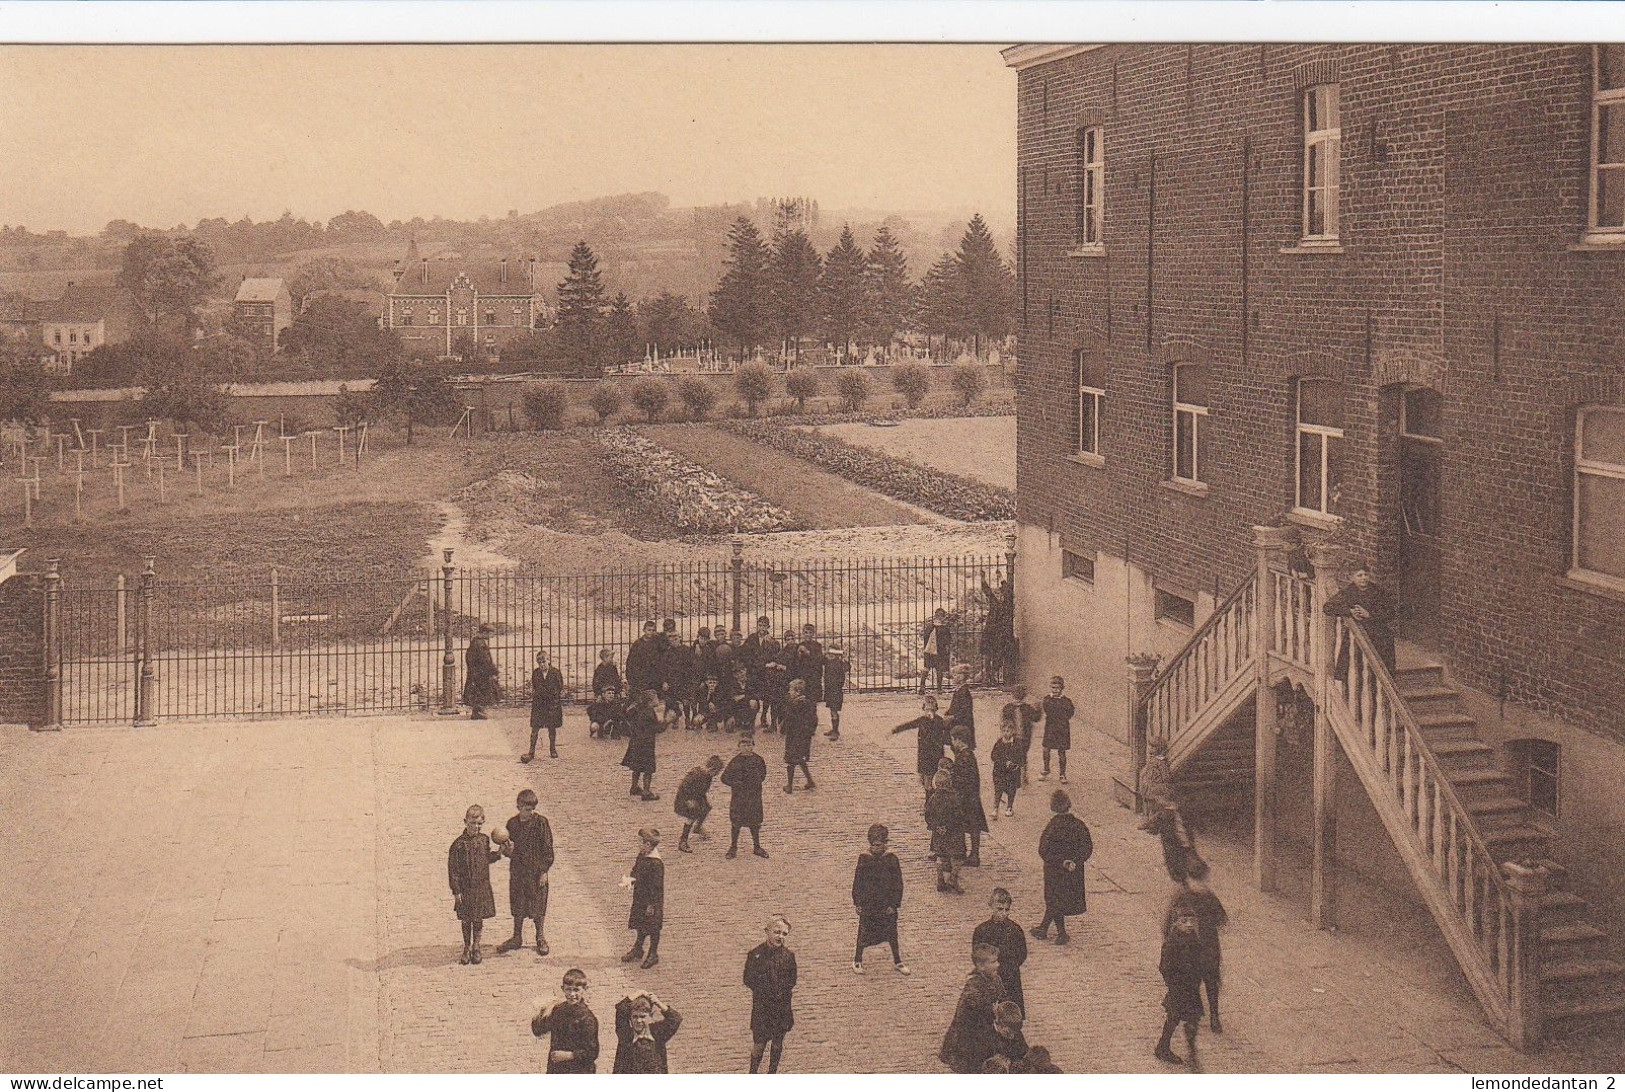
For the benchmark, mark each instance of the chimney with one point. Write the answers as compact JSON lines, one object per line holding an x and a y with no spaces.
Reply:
{"x":504,"y":271}
{"x":425,"y":271}
{"x":533,"y":274}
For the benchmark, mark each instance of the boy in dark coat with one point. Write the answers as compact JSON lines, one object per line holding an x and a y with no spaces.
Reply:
{"x":809,"y":667}
{"x":1058,"y":711}
{"x":743,"y":702}
{"x":711,"y":705}
{"x":645,"y":661}
{"x":546,"y":706}
{"x":968,"y":784}
{"x":1211,"y":917}
{"x":705,"y":653}
{"x":648,"y":883}
{"x":682,"y":679}
{"x":1036,"y":1061}
{"x":758,"y":650}
{"x":1009,"y":1044}
{"x":945,"y":816}
{"x":480,"y":683}
{"x":800,"y":725}
{"x":835,"y":668}
{"x":1005,"y":935}
{"x":640,"y":746}
{"x":606,"y":714}
{"x":644,"y":1024}
{"x":770,"y":975}
{"x":1005,"y":766}
{"x":745,"y":774}
{"x":1179,"y":854}
{"x":961,"y":708}
{"x":932,"y":739}
{"x":529,"y":849}
{"x":1369,"y":604}
{"x":573,"y":1027}
{"x":877,"y":893}
{"x":693,"y":800}
{"x":606,"y":676}
{"x":1026,"y":715}
{"x":1064,"y":846}
{"x":1181,"y":972}
{"x":971,"y":1040}
{"x":468,"y":871}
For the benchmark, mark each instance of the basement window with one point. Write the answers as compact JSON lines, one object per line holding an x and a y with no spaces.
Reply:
{"x":1170,"y":607}
{"x":1077,"y":567}
{"x":1535,"y":765}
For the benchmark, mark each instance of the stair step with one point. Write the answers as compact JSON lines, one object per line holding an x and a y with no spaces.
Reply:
{"x":1497,"y":807}
{"x":1427,"y":721}
{"x":1418,"y":694}
{"x":1570,"y":1008}
{"x":1479,"y":777}
{"x":1562,"y":907}
{"x":1499,"y":840}
{"x":1578,"y":939}
{"x":1573,"y":970}
{"x":1464,"y":751}
{"x":1420,"y":676}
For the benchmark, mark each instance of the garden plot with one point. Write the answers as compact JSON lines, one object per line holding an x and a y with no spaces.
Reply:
{"x":983,"y":448}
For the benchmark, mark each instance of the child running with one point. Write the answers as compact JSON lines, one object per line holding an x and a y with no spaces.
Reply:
{"x":693,"y":800}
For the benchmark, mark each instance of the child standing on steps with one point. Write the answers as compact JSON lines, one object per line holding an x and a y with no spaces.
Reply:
{"x":1058,"y":711}
{"x":468,"y":870}
{"x":648,"y":883}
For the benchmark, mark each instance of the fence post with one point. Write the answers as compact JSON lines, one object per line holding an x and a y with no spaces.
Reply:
{"x":448,"y":662}
{"x":53,"y":645}
{"x":738,"y":547}
{"x":143,"y":646}
{"x":1528,"y":883}
{"x":119,"y":598}
{"x":1323,"y":864}
{"x":1266,"y":730}
{"x":276,"y":609}
{"x":1142,"y":668}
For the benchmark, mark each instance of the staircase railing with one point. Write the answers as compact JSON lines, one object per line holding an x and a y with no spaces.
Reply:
{"x":1293,"y":619}
{"x":1217,"y":655}
{"x":1457,"y":875}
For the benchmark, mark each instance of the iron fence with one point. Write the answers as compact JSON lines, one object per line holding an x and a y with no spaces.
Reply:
{"x":293,"y":645}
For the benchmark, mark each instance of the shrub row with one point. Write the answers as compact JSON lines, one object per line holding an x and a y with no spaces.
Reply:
{"x":688,"y":496}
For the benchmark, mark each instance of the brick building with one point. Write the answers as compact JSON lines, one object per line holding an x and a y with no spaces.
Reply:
{"x":457,"y":307}
{"x":86,"y":317}
{"x":262,"y":309}
{"x":1370,"y":293}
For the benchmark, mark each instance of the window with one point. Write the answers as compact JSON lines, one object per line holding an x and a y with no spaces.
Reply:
{"x":56,"y":337}
{"x":73,"y":337}
{"x":1608,"y":139}
{"x":462,"y":316}
{"x":1090,"y":373}
{"x":1319,"y":445}
{"x":434,"y":316}
{"x":1322,"y":145}
{"x":490,"y":316}
{"x":1169,"y":607}
{"x":1091,"y":185}
{"x":1535,"y":765}
{"x":1190,"y":409}
{"x":1077,"y":567}
{"x":406,"y":313}
{"x":1599,"y":493}
{"x":518,"y":315}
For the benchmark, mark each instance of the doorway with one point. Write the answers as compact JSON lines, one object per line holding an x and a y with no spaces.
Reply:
{"x":1421,"y":464}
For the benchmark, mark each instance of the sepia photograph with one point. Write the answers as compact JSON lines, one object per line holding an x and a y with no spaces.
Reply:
{"x":955,"y":556}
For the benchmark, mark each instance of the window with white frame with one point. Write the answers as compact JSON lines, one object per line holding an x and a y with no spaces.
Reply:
{"x":462,"y":316}
{"x":1322,"y":146}
{"x":1608,"y":140}
{"x":1092,"y":185}
{"x":1599,"y":493}
{"x":1089,"y":373}
{"x":1319,"y":445}
{"x":434,"y":316}
{"x":1190,"y":414}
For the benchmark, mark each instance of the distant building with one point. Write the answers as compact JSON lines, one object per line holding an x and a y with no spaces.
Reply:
{"x":85,"y":318}
{"x":453,"y":306}
{"x":263,"y":309}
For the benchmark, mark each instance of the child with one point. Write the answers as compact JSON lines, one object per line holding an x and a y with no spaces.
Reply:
{"x":606,"y":676}
{"x":770,"y":975}
{"x":1026,"y":715}
{"x":938,"y":641}
{"x":961,"y":709}
{"x":1064,"y":846}
{"x":468,"y":870}
{"x":480,"y":688}
{"x":710,"y":706}
{"x":574,"y":1029}
{"x":1005,"y":935}
{"x":970,"y":1038}
{"x":809,"y":668}
{"x":877,"y":892}
{"x":742,"y":701}
{"x":968,"y":784}
{"x":944,"y":816}
{"x":640,"y":746}
{"x":834,"y":684}
{"x":1009,"y":1045}
{"x":745,"y":775}
{"x":1210,"y":919}
{"x":693,"y":801}
{"x":1181,"y":972}
{"x":648,"y":884}
{"x":644,"y":1024}
{"x":1058,"y":712}
{"x":933,"y":738}
{"x":606,"y":714}
{"x":800,"y":725}
{"x":1179,"y":854}
{"x":529,"y":849}
{"x":1006,"y":762}
{"x":546,"y":706}
{"x":705,"y":653}
{"x":682,"y":679}
{"x":1156,"y":778}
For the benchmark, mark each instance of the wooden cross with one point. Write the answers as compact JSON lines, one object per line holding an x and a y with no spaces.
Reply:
{"x":28,"y":501}
{"x":61,"y":439}
{"x":118,"y":481}
{"x":95,"y":446}
{"x":180,"y":451}
{"x":343,"y":431}
{"x":287,"y":455}
{"x":231,"y":464}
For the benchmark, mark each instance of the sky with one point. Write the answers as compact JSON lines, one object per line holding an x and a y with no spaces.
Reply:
{"x":163,"y":135}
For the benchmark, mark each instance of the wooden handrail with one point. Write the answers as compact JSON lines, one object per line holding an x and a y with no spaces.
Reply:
{"x":1202,"y":631}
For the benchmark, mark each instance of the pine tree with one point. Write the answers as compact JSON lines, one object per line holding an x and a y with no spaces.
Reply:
{"x":623,"y":342}
{"x":793,"y":274}
{"x":890,"y":296}
{"x":939,"y":305}
{"x":841,"y":291}
{"x":581,"y":322}
{"x":987,"y":287}
{"x":739,"y":305}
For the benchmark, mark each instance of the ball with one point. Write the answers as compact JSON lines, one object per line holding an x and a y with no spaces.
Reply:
{"x":499,"y":835}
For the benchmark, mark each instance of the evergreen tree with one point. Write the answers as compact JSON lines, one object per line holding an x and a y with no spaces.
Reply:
{"x":739,"y":305}
{"x":939,"y":308}
{"x":623,"y":342}
{"x":987,"y":287}
{"x":890,"y":296}
{"x":841,"y":291}
{"x":669,"y":322}
{"x":793,"y":274}
{"x":581,"y":322}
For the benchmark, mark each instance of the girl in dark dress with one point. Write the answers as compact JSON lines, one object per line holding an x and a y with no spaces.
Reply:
{"x":1181,"y":973}
{"x":800,"y":725}
{"x":1064,"y":846}
{"x":770,"y":975}
{"x":968,"y":784}
{"x":468,"y":871}
{"x":546,"y":706}
{"x":877,"y":893}
{"x":745,"y":774}
{"x":648,"y":883}
{"x":932,"y":739}
{"x":480,"y":682}
{"x":640,"y":746}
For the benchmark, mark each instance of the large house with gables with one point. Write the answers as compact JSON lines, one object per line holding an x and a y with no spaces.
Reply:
{"x":444,"y":307}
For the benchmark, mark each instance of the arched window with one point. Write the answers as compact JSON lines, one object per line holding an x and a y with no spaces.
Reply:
{"x":1190,"y":414}
{"x":1319,"y":444}
{"x":1536,"y":767}
{"x":1599,"y":494}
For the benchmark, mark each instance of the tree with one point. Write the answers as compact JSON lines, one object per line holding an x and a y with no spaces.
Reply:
{"x":650,"y":396}
{"x":698,"y":396}
{"x":938,"y":308}
{"x":912,"y":381}
{"x":232,"y":356}
{"x":350,"y":408}
{"x":623,"y":342}
{"x":853,"y":387}
{"x":581,"y":320}
{"x":545,"y":405}
{"x":605,"y":400}
{"x":168,"y":277}
{"x":987,"y":287}
{"x":25,"y":397}
{"x":793,"y":277}
{"x":356,"y":226}
{"x":183,"y":392}
{"x":801,"y":384}
{"x":341,"y":337}
{"x":841,"y":290}
{"x":890,"y":296}
{"x":670,"y":322}
{"x":435,"y":401}
{"x":969,"y":380}
{"x":739,"y":305}
{"x":391,"y":391}
{"x":328,"y":272}
{"x":754,"y":383}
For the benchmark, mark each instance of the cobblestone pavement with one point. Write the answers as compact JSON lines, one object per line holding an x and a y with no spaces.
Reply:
{"x":271,"y":896}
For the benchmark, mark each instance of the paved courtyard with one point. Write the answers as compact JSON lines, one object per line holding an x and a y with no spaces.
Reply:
{"x":271,"y":897}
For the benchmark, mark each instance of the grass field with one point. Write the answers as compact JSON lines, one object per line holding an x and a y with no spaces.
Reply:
{"x":983,"y":448}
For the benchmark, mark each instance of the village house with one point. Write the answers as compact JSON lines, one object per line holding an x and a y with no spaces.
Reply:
{"x":261,"y":310}
{"x":1282,"y":304}
{"x":445,"y":307}
{"x":86,"y":317}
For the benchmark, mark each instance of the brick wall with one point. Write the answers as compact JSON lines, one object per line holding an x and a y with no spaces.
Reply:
{"x":22,"y":650}
{"x":1464,"y":174}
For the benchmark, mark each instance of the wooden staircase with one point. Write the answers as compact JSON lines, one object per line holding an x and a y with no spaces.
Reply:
{"x":1216,"y":780}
